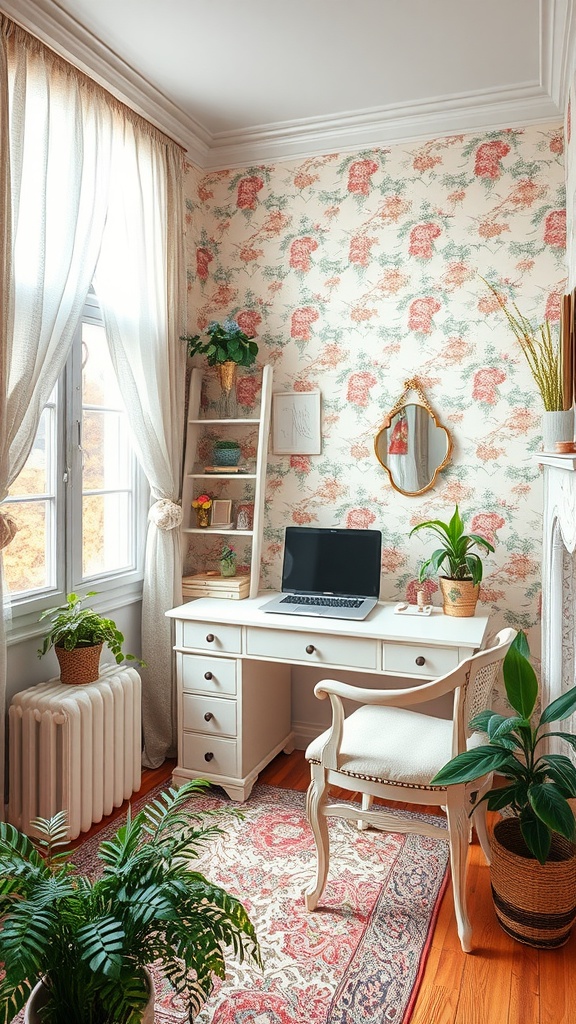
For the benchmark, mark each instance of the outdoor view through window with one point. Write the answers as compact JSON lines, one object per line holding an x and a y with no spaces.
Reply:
{"x":74,"y":501}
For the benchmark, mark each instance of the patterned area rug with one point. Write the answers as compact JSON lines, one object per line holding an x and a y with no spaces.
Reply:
{"x":357,"y":959}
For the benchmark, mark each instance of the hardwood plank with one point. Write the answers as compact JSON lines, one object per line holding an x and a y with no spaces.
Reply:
{"x":558,"y":984}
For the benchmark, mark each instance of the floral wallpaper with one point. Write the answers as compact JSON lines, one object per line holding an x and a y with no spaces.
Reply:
{"x":356,"y":271}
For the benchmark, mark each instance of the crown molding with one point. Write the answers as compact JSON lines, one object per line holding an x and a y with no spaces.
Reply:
{"x":447,"y":115}
{"x":530,"y":103}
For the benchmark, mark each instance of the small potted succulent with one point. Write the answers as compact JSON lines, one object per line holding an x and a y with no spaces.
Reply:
{"x":226,"y":453}
{"x":460,"y":584}
{"x":533,"y":851}
{"x":77,"y":947}
{"x":77,"y":635}
{"x":227,"y":561}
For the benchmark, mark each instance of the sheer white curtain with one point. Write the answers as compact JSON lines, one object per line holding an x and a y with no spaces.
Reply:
{"x":140,"y":285}
{"x":55,"y":146}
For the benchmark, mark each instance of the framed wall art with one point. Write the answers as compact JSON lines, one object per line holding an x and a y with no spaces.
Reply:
{"x":296,"y":423}
{"x":221,"y":513}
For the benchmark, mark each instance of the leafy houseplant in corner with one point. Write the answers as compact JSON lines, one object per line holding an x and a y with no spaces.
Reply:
{"x":77,"y":635}
{"x":461,"y":583}
{"x":84,"y":943}
{"x":533,"y":856}
{"x":545,"y":359}
{"x":227,"y":348}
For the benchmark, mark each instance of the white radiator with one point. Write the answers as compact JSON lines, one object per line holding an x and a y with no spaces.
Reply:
{"x":74,"y":748}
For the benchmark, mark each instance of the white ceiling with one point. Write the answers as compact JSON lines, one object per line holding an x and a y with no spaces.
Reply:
{"x":238,"y":81}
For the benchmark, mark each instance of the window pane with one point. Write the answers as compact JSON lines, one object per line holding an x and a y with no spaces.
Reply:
{"x":107,"y":457}
{"x":99,"y":384}
{"x":36,"y":476}
{"x":26,"y":559}
{"x":106,"y":533}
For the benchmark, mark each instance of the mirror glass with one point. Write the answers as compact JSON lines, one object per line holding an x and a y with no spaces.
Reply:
{"x":412,"y":447}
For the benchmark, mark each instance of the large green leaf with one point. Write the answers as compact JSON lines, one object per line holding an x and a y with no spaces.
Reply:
{"x":560,"y":708}
{"x":561,"y":770}
{"x":501,"y":797}
{"x":552,"y":808}
{"x":536,"y":835}
{"x":472,"y":764}
{"x":520,"y":682}
{"x":499,"y":725}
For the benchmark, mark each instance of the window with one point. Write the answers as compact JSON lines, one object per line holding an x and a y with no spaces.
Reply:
{"x":80,"y":500}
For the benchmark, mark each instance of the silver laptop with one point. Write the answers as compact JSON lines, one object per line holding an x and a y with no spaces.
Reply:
{"x":332,"y":573}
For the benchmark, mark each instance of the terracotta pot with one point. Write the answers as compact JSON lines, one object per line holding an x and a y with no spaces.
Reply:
{"x":534,"y":903}
{"x":39,"y":997}
{"x":459,"y":596}
{"x":80,"y":665}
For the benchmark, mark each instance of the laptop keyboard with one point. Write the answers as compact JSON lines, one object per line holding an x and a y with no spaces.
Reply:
{"x":324,"y":602}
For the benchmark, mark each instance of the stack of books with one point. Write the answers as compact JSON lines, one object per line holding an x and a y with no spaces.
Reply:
{"x":212,"y":584}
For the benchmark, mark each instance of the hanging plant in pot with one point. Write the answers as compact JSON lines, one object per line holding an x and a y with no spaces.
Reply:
{"x":79,"y":946}
{"x":533,"y":853}
{"x":461,"y":583}
{"x":78,"y":635}
{"x":227,"y":348}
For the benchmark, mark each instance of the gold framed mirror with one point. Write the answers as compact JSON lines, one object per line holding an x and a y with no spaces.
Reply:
{"x":412,"y":445}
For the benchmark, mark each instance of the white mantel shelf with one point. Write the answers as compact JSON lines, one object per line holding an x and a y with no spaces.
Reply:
{"x":556,"y":460}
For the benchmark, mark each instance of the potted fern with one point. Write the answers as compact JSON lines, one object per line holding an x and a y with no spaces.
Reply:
{"x":533,"y":851}
{"x":77,"y":635}
{"x":227,"y":348}
{"x":80,"y":946}
{"x":460,"y":584}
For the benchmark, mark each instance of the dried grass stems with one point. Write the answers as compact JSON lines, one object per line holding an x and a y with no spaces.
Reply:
{"x":542,"y":354}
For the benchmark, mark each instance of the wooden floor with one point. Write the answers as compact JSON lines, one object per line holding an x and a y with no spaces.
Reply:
{"x":501,"y":982}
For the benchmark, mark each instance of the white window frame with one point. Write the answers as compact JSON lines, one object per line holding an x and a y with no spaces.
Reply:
{"x":115,"y":589}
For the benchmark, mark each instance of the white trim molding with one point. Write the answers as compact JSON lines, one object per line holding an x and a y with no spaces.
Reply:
{"x":529,"y":103}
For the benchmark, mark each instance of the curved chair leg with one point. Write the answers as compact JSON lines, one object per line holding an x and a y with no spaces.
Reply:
{"x":315,"y":798}
{"x":458,"y":830}
{"x":479,"y":822}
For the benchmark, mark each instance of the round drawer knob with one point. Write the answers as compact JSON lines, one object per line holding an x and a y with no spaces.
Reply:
{"x":208,"y":716}
{"x":208,"y":756}
{"x":208,"y":675}
{"x":420,"y":660}
{"x":310,"y":649}
{"x":210,"y":638}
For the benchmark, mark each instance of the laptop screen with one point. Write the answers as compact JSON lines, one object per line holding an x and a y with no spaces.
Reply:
{"x":325,"y":561}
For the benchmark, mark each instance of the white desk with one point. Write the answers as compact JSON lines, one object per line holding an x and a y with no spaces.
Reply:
{"x":233,"y":666}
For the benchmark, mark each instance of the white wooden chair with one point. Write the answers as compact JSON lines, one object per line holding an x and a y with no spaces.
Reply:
{"x":384,"y":749}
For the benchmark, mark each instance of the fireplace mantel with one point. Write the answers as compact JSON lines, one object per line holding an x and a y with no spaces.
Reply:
{"x":558,"y":577}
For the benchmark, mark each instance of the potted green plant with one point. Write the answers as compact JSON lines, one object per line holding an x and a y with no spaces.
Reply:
{"x":460,"y":584}
{"x":227,"y":561}
{"x":227,"y":347}
{"x":226,"y":453}
{"x":82,"y":945}
{"x":533,"y":862}
{"x":77,"y":635}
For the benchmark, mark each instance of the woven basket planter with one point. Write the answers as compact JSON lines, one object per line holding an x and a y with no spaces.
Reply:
{"x":534,"y":903}
{"x":80,"y":665}
{"x":459,"y":597}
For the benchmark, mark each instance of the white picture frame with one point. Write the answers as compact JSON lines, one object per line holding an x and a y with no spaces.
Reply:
{"x":221,"y":512}
{"x":296,"y":425}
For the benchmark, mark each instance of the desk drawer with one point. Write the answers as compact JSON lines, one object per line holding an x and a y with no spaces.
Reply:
{"x":315,"y":648}
{"x":419,"y":660}
{"x":217,"y":637}
{"x":210,"y":754}
{"x":209,"y":715}
{"x":206,"y":675}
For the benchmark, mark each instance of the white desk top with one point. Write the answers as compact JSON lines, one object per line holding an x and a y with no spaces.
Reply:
{"x":383,"y":622}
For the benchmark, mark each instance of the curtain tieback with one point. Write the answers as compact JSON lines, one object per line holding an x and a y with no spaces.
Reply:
{"x":165,"y":514}
{"x":8,"y":529}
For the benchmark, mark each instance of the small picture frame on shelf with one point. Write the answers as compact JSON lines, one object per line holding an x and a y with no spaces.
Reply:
{"x":221,"y":513}
{"x":296,"y":426}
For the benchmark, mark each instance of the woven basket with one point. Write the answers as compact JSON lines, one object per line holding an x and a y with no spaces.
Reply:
{"x":459,"y":597}
{"x":534,"y":903}
{"x":80,"y":665}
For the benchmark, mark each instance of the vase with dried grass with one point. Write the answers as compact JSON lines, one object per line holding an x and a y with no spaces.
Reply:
{"x":550,"y":363}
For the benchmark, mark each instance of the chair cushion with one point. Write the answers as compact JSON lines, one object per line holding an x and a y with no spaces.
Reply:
{"x":392,"y":745}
